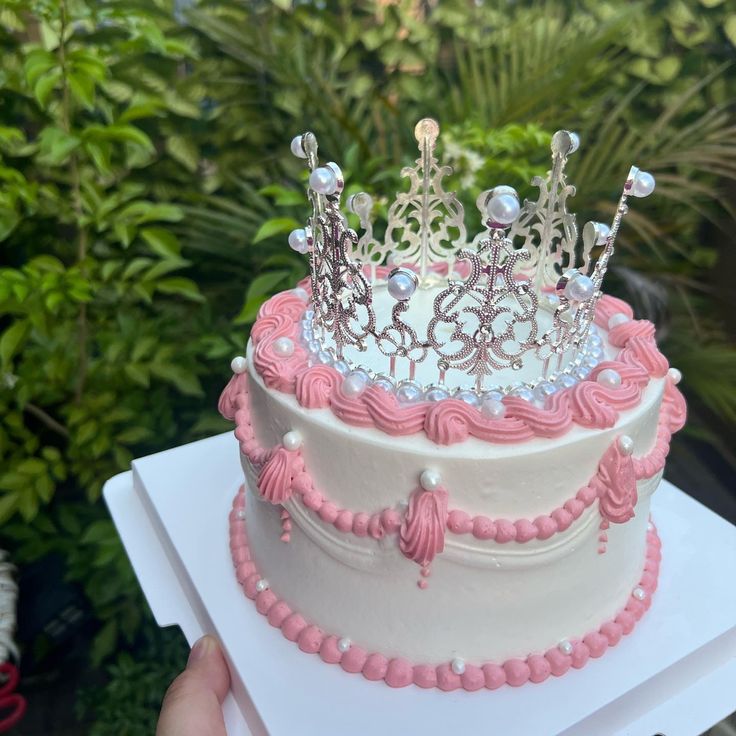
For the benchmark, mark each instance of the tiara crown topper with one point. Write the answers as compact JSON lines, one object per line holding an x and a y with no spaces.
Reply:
{"x":429,"y":310}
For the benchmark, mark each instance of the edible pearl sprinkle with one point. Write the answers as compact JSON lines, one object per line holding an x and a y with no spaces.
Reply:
{"x":238,"y":364}
{"x":675,"y":375}
{"x":650,"y":526}
{"x":626,"y":444}
{"x":262,"y":585}
{"x":565,"y":646}
{"x":283,"y":346}
{"x":240,"y":514}
{"x":617,"y":319}
{"x":492,"y":408}
{"x":344,"y":644}
{"x":297,"y":148}
{"x":430,"y":480}
{"x":609,"y":378}
{"x":292,"y":440}
{"x":458,"y":666}
{"x":639,"y":593}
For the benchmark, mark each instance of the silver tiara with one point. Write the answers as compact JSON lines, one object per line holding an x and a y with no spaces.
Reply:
{"x":506,"y":309}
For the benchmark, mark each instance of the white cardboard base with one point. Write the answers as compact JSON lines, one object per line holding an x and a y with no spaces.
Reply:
{"x":675,"y":674}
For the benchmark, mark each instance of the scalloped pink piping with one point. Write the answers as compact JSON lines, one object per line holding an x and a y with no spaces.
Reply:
{"x":234,"y":404}
{"x":586,"y":404}
{"x":399,"y":672}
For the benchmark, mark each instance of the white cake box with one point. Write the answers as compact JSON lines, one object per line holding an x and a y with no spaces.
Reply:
{"x":674,"y":674}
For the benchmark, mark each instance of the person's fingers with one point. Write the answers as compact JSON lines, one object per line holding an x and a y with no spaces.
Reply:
{"x":192,"y":704}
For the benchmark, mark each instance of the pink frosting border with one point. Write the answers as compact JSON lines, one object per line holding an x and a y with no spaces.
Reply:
{"x":587,"y":404}
{"x":399,"y":672}
{"x":283,"y":476}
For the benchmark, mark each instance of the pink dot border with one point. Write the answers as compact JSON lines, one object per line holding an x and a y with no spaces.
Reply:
{"x":399,"y":672}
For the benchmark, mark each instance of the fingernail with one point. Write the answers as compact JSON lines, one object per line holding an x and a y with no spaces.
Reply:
{"x":202,"y":648}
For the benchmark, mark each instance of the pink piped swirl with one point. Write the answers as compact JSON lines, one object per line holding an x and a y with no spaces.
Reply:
{"x":278,"y":372}
{"x":619,"y":335}
{"x":352,"y":410}
{"x":589,"y":407}
{"x":277,"y":475}
{"x":273,"y":326}
{"x":390,"y":416}
{"x":422,"y":533}
{"x":617,"y":483}
{"x":608,"y":306}
{"x":314,"y":386}
{"x":287,"y":304}
{"x":644,"y":352}
{"x":227,"y":405}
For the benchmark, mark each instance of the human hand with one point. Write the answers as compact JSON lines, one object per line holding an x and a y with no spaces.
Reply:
{"x":192,"y":704}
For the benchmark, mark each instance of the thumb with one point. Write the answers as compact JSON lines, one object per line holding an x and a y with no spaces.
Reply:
{"x":192,"y":704}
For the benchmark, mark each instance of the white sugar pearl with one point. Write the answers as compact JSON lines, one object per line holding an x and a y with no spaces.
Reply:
{"x":324,"y":357}
{"x":565,"y":380}
{"x":262,"y":585}
{"x":385,"y":383}
{"x":436,"y":394}
{"x":543,"y":390}
{"x":296,"y":147}
{"x":408,"y":392}
{"x":650,"y":526}
{"x":523,"y":393}
{"x":302,"y":294}
{"x":675,"y":375}
{"x":323,"y":180}
{"x":292,"y":440}
{"x":492,"y":408}
{"x":402,"y":283}
{"x":354,"y":384}
{"x":639,"y":593}
{"x":617,"y":319}
{"x":344,"y":644}
{"x":643,"y":184}
{"x":458,"y":666}
{"x":284,"y":347}
{"x":565,"y":646}
{"x":609,"y":378}
{"x":430,"y":480}
{"x":240,"y":513}
{"x":469,"y":397}
{"x":580,"y":288}
{"x":503,"y":209}
{"x":298,"y":240}
{"x":626,"y":444}
{"x":238,"y":364}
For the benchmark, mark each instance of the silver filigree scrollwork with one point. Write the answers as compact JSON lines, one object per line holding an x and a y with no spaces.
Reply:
{"x":368,"y":250}
{"x":420,"y":221}
{"x":548,"y":231}
{"x":492,"y":315}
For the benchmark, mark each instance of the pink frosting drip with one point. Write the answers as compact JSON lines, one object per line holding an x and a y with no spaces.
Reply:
{"x":617,"y":482}
{"x":422,"y":534}
{"x":389,"y":521}
{"x":644,"y":352}
{"x":227,"y":404}
{"x":399,"y":672}
{"x":276,"y":476}
{"x":315,"y":385}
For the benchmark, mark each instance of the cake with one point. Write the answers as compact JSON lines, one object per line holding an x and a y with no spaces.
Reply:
{"x":450,"y":441}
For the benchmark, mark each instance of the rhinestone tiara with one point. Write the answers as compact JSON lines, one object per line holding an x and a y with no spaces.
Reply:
{"x":430,"y":308}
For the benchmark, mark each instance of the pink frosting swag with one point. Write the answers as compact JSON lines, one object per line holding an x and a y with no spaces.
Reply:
{"x":615,"y":494}
{"x":587,"y":404}
{"x":422,"y":533}
{"x":399,"y":672}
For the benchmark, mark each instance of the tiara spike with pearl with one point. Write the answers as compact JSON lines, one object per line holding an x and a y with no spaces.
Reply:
{"x":520,"y":296}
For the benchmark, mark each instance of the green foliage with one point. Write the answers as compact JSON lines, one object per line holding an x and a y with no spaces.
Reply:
{"x":146,"y":189}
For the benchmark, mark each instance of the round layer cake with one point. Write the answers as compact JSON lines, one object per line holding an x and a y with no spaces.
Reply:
{"x":467,"y":541}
